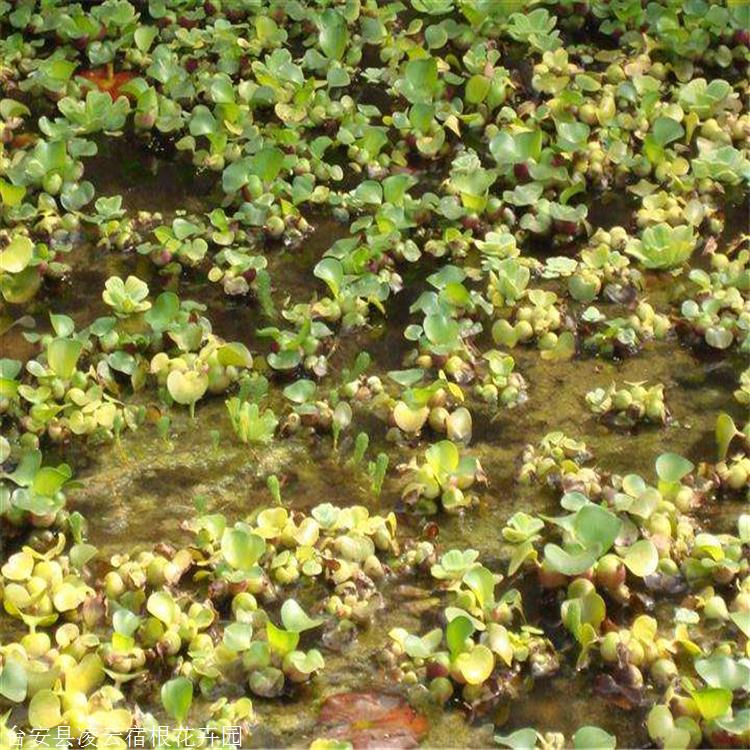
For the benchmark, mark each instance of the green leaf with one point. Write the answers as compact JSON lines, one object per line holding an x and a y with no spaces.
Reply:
{"x":477,"y":88}
{"x":281,"y":641}
{"x":563,"y":350}
{"x":48,"y":480}
{"x":284,"y":360}
{"x":596,"y":527}
{"x":712,"y":702}
{"x":62,"y":356}
{"x":144,"y":37}
{"x":567,"y":563}
{"x":238,"y":636}
{"x":267,"y":163}
{"x":572,"y":135}
{"x":16,"y":256}
{"x":642,"y":558}
{"x":516,"y":148}
{"x":74,"y":197}
{"x":305,"y":663}
{"x":331,"y":271}
{"x":456,"y":633}
{"x":522,"y":739}
{"x":234,"y":355}
{"x":593,"y":738}
{"x":665,"y":130}
{"x":13,"y":681}
{"x":476,"y":665}
{"x":163,"y":607}
{"x":188,"y":386}
{"x":421,"y":79}
{"x":482,"y":583}
{"x":720,"y":671}
{"x":742,"y":621}
{"x":332,"y":34}
{"x":725,"y":433}
{"x":441,"y":330}
{"x":164,"y":310}
{"x":62,"y":324}
{"x":177,"y":697}
{"x":295,"y":619}
{"x":11,"y":195}
{"x":671,"y":467}
{"x":241,"y":548}
{"x":443,"y":456}
{"x":738,"y":724}
{"x":44,"y":710}
{"x":300,"y":391}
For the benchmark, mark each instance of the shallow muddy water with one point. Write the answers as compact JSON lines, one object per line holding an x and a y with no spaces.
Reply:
{"x":139,"y":491}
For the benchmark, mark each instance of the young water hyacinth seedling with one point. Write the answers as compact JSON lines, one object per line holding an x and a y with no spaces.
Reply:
{"x":239,"y":272}
{"x":501,"y":385}
{"x":556,"y":457}
{"x":289,"y":349}
{"x":444,"y":475}
{"x":733,"y":471}
{"x":126,"y":297}
{"x":182,"y":243}
{"x":33,"y":493}
{"x":437,"y":405}
{"x":250,"y":424}
{"x":663,"y":247}
{"x":629,"y":405}
{"x":717,"y":311}
{"x":622,"y":337}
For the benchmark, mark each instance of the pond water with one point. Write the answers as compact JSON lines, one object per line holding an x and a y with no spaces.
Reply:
{"x":139,"y":491}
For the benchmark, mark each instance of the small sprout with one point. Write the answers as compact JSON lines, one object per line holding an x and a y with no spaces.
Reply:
{"x":274,"y":487}
{"x":162,"y":427}
{"x":377,"y":470}
{"x":215,"y":439}
{"x":361,"y":443}
{"x":342,"y":418}
{"x":263,"y":292}
{"x":187,"y":387}
{"x":200,"y":503}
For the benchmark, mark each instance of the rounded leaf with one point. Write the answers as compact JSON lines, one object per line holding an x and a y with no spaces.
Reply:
{"x":642,"y":558}
{"x":187,"y":387}
{"x":177,"y":697}
{"x":16,"y":256}
{"x":670,"y":467}
{"x":475,"y":666}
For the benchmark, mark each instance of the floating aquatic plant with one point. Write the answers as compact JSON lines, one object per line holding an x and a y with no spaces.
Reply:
{"x":230,"y":201}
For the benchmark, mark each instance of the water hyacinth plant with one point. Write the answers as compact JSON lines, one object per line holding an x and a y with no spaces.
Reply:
{"x":374,"y":374}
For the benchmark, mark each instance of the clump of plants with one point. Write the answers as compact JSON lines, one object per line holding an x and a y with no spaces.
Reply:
{"x":626,"y":406}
